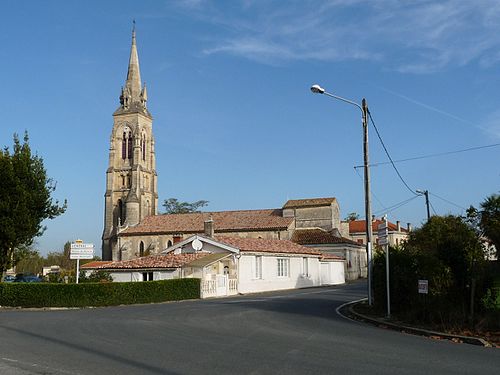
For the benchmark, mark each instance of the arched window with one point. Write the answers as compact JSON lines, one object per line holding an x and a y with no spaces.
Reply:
{"x":121,"y":213}
{"x":141,"y":249}
{"x":148,"y":208}
{"x":144,"y":147}
{"x":130,"y":150}
{"x":169,"y":243}
{"x":124,"y":146}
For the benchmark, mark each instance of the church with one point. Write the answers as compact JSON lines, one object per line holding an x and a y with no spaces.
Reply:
{"x":133,"y":228}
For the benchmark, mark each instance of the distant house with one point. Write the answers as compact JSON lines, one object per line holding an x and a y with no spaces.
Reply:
{"x":331,"y":242}
{"x":231,"y":265}
{"x":397,"y":234}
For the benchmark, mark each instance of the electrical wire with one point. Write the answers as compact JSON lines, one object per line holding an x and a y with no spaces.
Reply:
{"x":396,"y":206}
{"x":374,"y":195}
{"x":432,"y":155}
{"x":389,"y":156}
{"x":433,"y":210}
{"x":447,"y":201}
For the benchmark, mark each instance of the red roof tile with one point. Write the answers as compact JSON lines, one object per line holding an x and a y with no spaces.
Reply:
{"x":310,"y":202}
{"x":153,"y":261}
{"x":359,"y":226}
{"x":326,"y":256}
{"x":318,"y":236}
{"x":95,"y":264}
{"x":265,"y":245}
{"x":224,"y":221}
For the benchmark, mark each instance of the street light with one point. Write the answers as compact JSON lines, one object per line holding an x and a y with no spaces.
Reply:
{"x":317,"y":89}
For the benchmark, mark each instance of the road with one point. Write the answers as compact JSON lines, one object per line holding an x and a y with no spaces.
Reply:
{"x":291,"y":332}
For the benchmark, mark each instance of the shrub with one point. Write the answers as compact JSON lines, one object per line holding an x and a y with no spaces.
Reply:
{"x":97,"y":294}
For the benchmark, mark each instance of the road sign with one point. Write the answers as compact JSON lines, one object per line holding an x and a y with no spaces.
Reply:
{"x":382,"y":233}
{"x":81,"y":251}
{"x":423,"y":286}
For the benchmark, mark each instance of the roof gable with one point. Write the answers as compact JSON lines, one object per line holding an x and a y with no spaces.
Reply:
{"x":309,"y":202}
{"x":224,"y":221}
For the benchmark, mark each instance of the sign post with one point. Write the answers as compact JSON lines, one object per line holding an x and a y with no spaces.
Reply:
{"x":383,"y":232}
{"x":80,"y":250}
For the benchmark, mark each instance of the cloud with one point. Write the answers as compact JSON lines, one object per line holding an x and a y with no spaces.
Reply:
{"x":491,"y":125}
{"x":407,"y":36}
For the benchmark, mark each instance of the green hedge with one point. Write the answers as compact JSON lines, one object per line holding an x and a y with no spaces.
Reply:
{"x":97,"y":294}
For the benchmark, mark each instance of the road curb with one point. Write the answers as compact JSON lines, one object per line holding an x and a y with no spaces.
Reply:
{"x":406,"y":329}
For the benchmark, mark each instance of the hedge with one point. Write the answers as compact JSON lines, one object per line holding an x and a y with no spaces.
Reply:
{"x":97,"y":294}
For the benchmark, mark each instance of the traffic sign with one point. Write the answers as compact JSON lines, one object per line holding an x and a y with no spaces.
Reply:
{"x":81,"y":251}
{"x":423,"y":286}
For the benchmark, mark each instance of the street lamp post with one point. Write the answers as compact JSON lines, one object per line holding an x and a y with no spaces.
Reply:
{"x":317,"y":89}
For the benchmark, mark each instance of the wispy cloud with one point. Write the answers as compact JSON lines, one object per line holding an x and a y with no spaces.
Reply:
{"x":407,"y":36}
{"x":491,"y":125}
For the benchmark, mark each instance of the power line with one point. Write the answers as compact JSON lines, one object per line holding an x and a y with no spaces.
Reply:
{"x":447,"y":201}
{"x":389,"y":156}
{"x":432,"y":155}
{"x":433,"y":210}
{"x":374,"y":195}
{"x":396,"y":206}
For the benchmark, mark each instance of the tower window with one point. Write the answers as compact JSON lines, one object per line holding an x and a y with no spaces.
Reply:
{"x":130,"y":151}
{"x":123,"y":181}
{"x":124,"y":146}
{"x":121,"y":213}
{"x":129,"y":181}
{"x":143,"y":147}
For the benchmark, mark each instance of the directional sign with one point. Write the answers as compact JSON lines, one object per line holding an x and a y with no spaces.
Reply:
{"x":82,"y":251}
{"x":382,"y":233}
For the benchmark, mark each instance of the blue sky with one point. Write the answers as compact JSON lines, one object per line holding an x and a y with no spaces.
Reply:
{"x":234,"y":119}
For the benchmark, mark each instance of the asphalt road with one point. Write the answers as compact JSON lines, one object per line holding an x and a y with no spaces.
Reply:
{"x":292,"y":332}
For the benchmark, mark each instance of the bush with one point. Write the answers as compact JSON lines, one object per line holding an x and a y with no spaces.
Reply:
{"x":97,"y":294}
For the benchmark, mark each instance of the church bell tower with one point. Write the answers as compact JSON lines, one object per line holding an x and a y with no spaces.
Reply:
{"x":131,"y":180}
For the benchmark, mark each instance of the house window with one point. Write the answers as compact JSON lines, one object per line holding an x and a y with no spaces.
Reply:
{"x":147,"y":276}
{"x":283,"y":267}
{"x":258,"y":267}
{"x":141,"y":249}
{"x":360,"y":241}
{"x":305,"y":266}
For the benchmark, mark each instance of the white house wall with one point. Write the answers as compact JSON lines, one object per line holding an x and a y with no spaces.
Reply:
{"x":128,"y":276}
{"x":248,"y":283}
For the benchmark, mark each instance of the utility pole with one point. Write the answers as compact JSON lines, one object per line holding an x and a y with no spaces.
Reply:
{"x":368,"y":210}
{"x":426,"y":193}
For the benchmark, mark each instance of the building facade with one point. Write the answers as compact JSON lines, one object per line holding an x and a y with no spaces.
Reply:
{"x":131,"y":180}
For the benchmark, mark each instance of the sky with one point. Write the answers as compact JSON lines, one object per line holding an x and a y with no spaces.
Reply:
{"x":235,"y":122}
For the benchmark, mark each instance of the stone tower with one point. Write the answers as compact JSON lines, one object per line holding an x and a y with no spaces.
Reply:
{"x":131,"y":180}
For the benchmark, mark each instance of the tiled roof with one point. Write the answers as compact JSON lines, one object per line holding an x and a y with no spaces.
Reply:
{"x":326,"y":256}
{"x":224,"y":221}
{"x":95,"y":263}
{"x":359,"y":226}
{"x":265,"y":245}
{"x":311,"y":202}
{"x":316,"y":236}
{"x":153,"y":261}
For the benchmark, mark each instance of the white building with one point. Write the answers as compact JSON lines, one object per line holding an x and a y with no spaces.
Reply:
{"x":232,"y":265}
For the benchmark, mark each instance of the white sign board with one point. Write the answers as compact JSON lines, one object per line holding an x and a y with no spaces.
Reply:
{"x":423,"y":286}
{"x":81,"y":251}
{"x":382,"y":233}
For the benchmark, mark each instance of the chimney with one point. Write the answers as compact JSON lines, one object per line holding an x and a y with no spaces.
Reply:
{"x":398,"y":225}
{"x":409,"y":227}
{"x":209,"y":227}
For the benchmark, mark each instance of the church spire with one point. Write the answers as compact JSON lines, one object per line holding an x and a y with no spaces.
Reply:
{"x":133,"y":97}
{"x":133,"y":83}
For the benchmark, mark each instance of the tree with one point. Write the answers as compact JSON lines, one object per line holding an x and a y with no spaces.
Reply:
{"x":173,"y":206}
{"x":30,"y":262}
{"x":25,"y":200}
{"x":352,"y":216}
{"x":490,"y":220}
